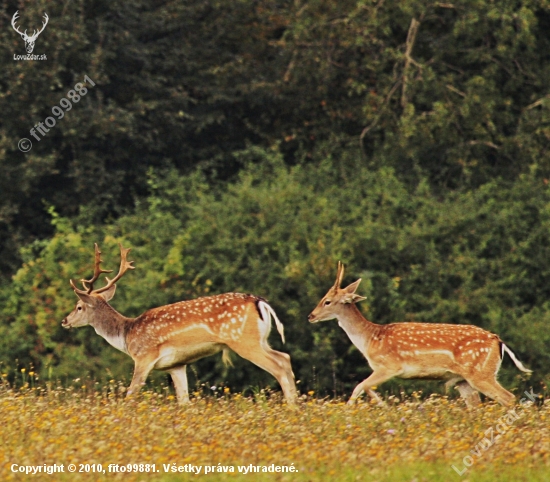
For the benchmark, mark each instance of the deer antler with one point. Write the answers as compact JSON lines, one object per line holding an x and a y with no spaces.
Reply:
{"x":24,"y":34}
{"x":125,"y":265}
{"x":35,"y":33}
{"x":89,"y":284}
{"x":339,"y":275}
{"x":13,"y":20}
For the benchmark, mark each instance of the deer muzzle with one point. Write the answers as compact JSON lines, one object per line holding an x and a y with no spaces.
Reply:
{"x":312,"y":318}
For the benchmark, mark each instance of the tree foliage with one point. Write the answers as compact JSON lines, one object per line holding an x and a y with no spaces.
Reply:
{"x":457,"y":93}
{"x":477,"y":257}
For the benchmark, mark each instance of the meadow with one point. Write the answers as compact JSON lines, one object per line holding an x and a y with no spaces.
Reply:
{"x":233,"y":437}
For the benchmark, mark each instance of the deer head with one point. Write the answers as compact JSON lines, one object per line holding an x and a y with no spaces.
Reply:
{"x":29,"y":41}
{"x":337,"y":299}
{"x":91,"y":302}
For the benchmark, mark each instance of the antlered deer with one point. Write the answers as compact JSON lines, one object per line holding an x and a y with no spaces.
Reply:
{"x":170,"y":337}
{"x":463,"y":354}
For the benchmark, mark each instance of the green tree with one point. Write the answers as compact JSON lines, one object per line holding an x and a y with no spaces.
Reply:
{"x":456,"y":93}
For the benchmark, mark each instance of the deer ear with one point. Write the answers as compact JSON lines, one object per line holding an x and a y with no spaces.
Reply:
{"x":349,"y":293}
{"x":108,"y":295}
{"x":85,"y":298}
{"x":352,"y":298}
{"x":352,"y":288}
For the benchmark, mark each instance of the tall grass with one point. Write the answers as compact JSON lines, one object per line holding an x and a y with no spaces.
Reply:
{"x":410,"y":439}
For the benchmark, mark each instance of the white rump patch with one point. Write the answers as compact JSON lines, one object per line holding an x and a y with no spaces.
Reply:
{"x":514,"y":359}
{"x":267,"y":314}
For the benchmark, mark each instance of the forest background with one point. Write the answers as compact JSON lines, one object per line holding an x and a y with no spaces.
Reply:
{"x":249,"y":145}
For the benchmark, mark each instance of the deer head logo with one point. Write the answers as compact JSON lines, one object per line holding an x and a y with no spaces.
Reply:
{"x":29,"y":41}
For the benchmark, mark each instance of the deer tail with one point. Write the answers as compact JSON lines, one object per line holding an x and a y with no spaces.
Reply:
{"x":267,"y":314}
{"x":504,"y":348}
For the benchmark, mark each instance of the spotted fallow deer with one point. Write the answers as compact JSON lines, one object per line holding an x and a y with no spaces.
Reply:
{"x":170,"y":337}
{"x":460,"y":354}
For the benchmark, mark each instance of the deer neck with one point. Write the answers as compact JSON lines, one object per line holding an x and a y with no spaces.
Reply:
{"x":359,"y":330}
{"x":111,"y":325}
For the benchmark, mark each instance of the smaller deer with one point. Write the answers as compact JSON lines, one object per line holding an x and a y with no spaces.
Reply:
{"x":463,"y":354}
{"x":170,"y":337}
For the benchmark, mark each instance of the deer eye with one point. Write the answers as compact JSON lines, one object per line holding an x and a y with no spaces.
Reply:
{"x":327,"y":302}
{"x":79,"y":308}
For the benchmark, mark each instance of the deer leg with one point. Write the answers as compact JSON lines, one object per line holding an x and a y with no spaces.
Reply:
{"x":375,"y":378}
{"x":179,"y":377}
{"x":141,"y":371}
{"x":494,"y":390}
{"x":284,"y":363}
{"x":469,"y":394}
{"x":451,"y":383}
{"x":274,"y":362}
